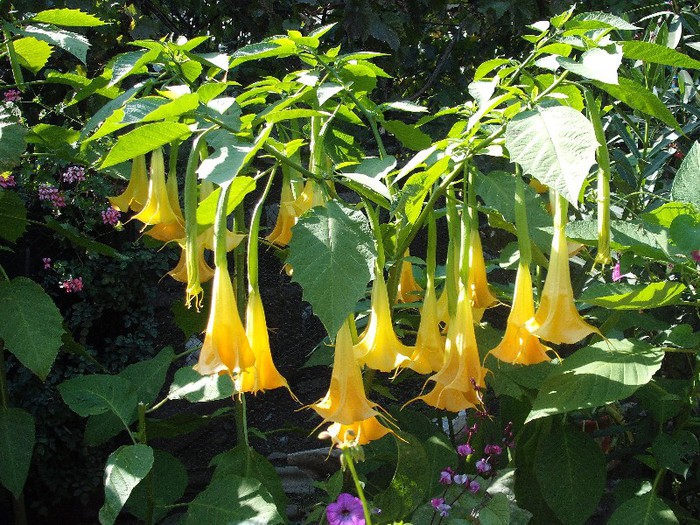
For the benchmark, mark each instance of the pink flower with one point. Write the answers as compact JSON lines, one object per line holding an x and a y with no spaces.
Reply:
{"x":72,"y":285}
{"x":346,"y":510}
{"x":493,"y":449}
{"x":446,"y":476}
{"x":616,"y":273}
{"x":483,"y":466}
{"x":440,"y":506}
{"x":111,"y":216}
{"x":474,"y":487}
{"x":460,"y":479}
{"x":73,"y":174}
{"x":695,"y":255}
{"x":50,"y":193}
{"x":12,"y":95}
{"x":47,"y":263}
{"x":464,"y":450}
{"x":7,"y":182}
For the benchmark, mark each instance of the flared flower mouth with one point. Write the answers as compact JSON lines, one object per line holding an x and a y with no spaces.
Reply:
{"x":135,"y":195}
{"x":409,"y":291}
{"x":429,"y":352}
{"x":157,"y":209}
{"x":478,"y":285}
{"x":287,"y":217}
{"x":378,"y":347}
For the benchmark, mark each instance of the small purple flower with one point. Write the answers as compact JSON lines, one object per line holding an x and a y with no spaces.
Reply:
{"x":73,"y":174}
{"x":12,"y":95}
{"x":7,"y":182}
{"x":346,"y":510}
{"x":72,"y":285}
{"x":616,"y":273}
{"x":695,"y":255}
{"x":495,"y":450}
{"x":483,"y":466}
{"x":465,"y":449}
{"x":474,"y":487}
{"x":50,"y":193}
{"x":440,"y":506}
{"x":111,"y":216}
{"x":446,"y":476}
{"x":47,"y":263}
{"x":460,"y":479}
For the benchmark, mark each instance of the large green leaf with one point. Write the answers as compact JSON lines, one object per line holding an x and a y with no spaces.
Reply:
{"x":33,"y":54}
{"x":77,"y":45}
{"x":262,"y":50}
{"x":676,"y":451}
{"x":13,"y":216}
{"x":68,"y":17}
{"x":144,"y":139}
{"x":496,"y":511}
{"x":686,"y":184}
{"x":596,"y":64}
{"x":596,"y":375}
{"x":98,"y":393}
{"x":640,"y":98}
{"x":571,"y":472}
{"x":12,"y":144}
{"x":239,"y":188}
{"x":131,"y":62}
{"x":332,"y":252}
{"x":174,"y":108}
{"x":625,"y":235}
{"x":411,"y":478}
{"x":599,"y":20}
{"x":556,"y":145}
{"x":408,"y":135}
{"x":125,"y":468}
{"x":16,"y":446}
{"x":190,"y":385}
{"x":233,"y":499}
{"x":657,"y":54}
{"x":633,"y":296}
{"x":30,"y":324}
{"x":647,"y":509}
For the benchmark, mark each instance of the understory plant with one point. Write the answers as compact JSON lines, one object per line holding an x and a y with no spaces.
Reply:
{"x":508,"y":283}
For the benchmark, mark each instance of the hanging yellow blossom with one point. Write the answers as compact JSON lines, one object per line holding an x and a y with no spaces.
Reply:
{"x":429,"y":351}
{"x":157,"y":208}
{"x":408,"y":290}
{"x":172,"y":230}
{"x":378,"y":347}
{"x":136,"y":193}
{"x":179,"y":273}
{"x":519,"y":345}
{"x":226,"y":347}
{"x":286,"y":217}
{"x":461,"y":371}
{"x":478,"y":285}
{"x":359,"y":433}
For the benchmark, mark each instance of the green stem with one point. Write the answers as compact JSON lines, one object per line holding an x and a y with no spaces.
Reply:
{"x":150,"y":501}
{"x":431,"y":255}
{"x":657,"y":480}
{"x":453,"y":249}
{"x":14,"y":60}
{"x":524,"y":244}
{"x":241,"y":421}
{"x":239,"y":260}
{"x":220,"y":228}
{"x":347,"y":455}
{"x":374,"y":221}
{"x":253,"y":236}
{"x":466,"y":223}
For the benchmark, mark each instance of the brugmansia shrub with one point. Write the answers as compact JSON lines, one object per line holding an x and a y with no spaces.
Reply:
{"x":517,"y":419}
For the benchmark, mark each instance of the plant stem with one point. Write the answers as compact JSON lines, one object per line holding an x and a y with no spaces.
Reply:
{"x":150,"y":502}
{"x":253,"y":236}
{"x":347,"y":455}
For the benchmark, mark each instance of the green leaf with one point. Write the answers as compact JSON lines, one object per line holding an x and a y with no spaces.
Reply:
{"x":657,"y":54}
{"x":79,"y":238}
{"x":125,"y":468}
{"x":175,"y":108}
{"x":190,"y":385}
{"x":30,"y":324}
{"x":496,"y":511}
{"x":416,"y":188}
{"x":408,"y":135}
{"x":233,"y":499}
{"x":12,"y":144}
{"x":686,"y":184}
{"x":33,"y":54}
{"x":625,"y":235}
{"x":147,"y":377}
{"x":407,"y":488}
{"x":596,"y":375}
{"x":633,"y":296}
{"x":68,"y":17}
{"x":145,"y":139}
{"x":648,"y":509}
{"x":98,"y":393}
{"x":206,"y":210}
{"x":168,"y":481}
{"x":245,"y":459}
{"x":676,"y":452}
{"x":16,"y":445}
{"x":599,"y":20}
{"x":685,"y":232}
{"x":596,"y":64}
{"x":77,"y":45}
{"x":404,"y":105}
{"x":262,"y":50}
{"x":638,"y":97}
{"x":332,"y":252}
{"x":556,"y":145}
{"x":571,"y":473}
{"x":126,"y":64}
{"x":13,"y":216}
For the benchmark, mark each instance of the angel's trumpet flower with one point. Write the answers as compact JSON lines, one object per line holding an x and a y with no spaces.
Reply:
{"x":478,"y":285}
{"x":226,"y":347}
{"x":172,"y":230}
{"x":157,"y":209}
{"x":286,"y":217}
{"x":557,"y":319}
{"x":179,"y":273}
{"x":345,"y":403}
{"x":378,"y":347}
{"x":408,"y":290}
{"x":310,"y":197}
{"x":359,"y":433}
{"x":461,"y":374}
{"x":263,"y":375}
{"x":519,"y":345}
{"x":136,"y":193}
{"x":429,"y":351}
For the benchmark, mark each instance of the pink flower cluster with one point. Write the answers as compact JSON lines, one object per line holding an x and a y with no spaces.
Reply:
{"x":12,"y":95}
{"x":8,"y":182}
{"x":111,"y":216}
{"x":73,"y":174}
{"x":47,"y":263}
{"x":72,"y":285}
{"x":52,"y":194}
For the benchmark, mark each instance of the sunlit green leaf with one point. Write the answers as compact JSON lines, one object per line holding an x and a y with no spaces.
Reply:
{"x":657,"y":54}
{"x":68,"y":17}
{"x":125,"y":468}
{"x":622,"y":296}
{"x":144,"y":139}
{"x":647,"y":509}
{"x":33,"y":54}
{"x":686,"y":184}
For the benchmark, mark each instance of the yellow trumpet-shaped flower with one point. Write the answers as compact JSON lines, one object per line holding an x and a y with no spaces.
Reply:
{"x":478,"y":285}
{"x":179,"y":273}
{"x":557,"y":320}
{"x":136,"y":193}
{"x":226,"y":347}
{"x":408,"y":286}
{"x":429,"y":351}
{"x":311,"y":196}
{"x":520,"y":345}
{"x":286,"y":217}
{"x":157,"y":209}
{"x":359,"y":433}
{"x":263,"y":375}
{"x":172,"y":230}
{"x":461,"y":370}
{"x":346,"y":402}
{"x":378,"y":347}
